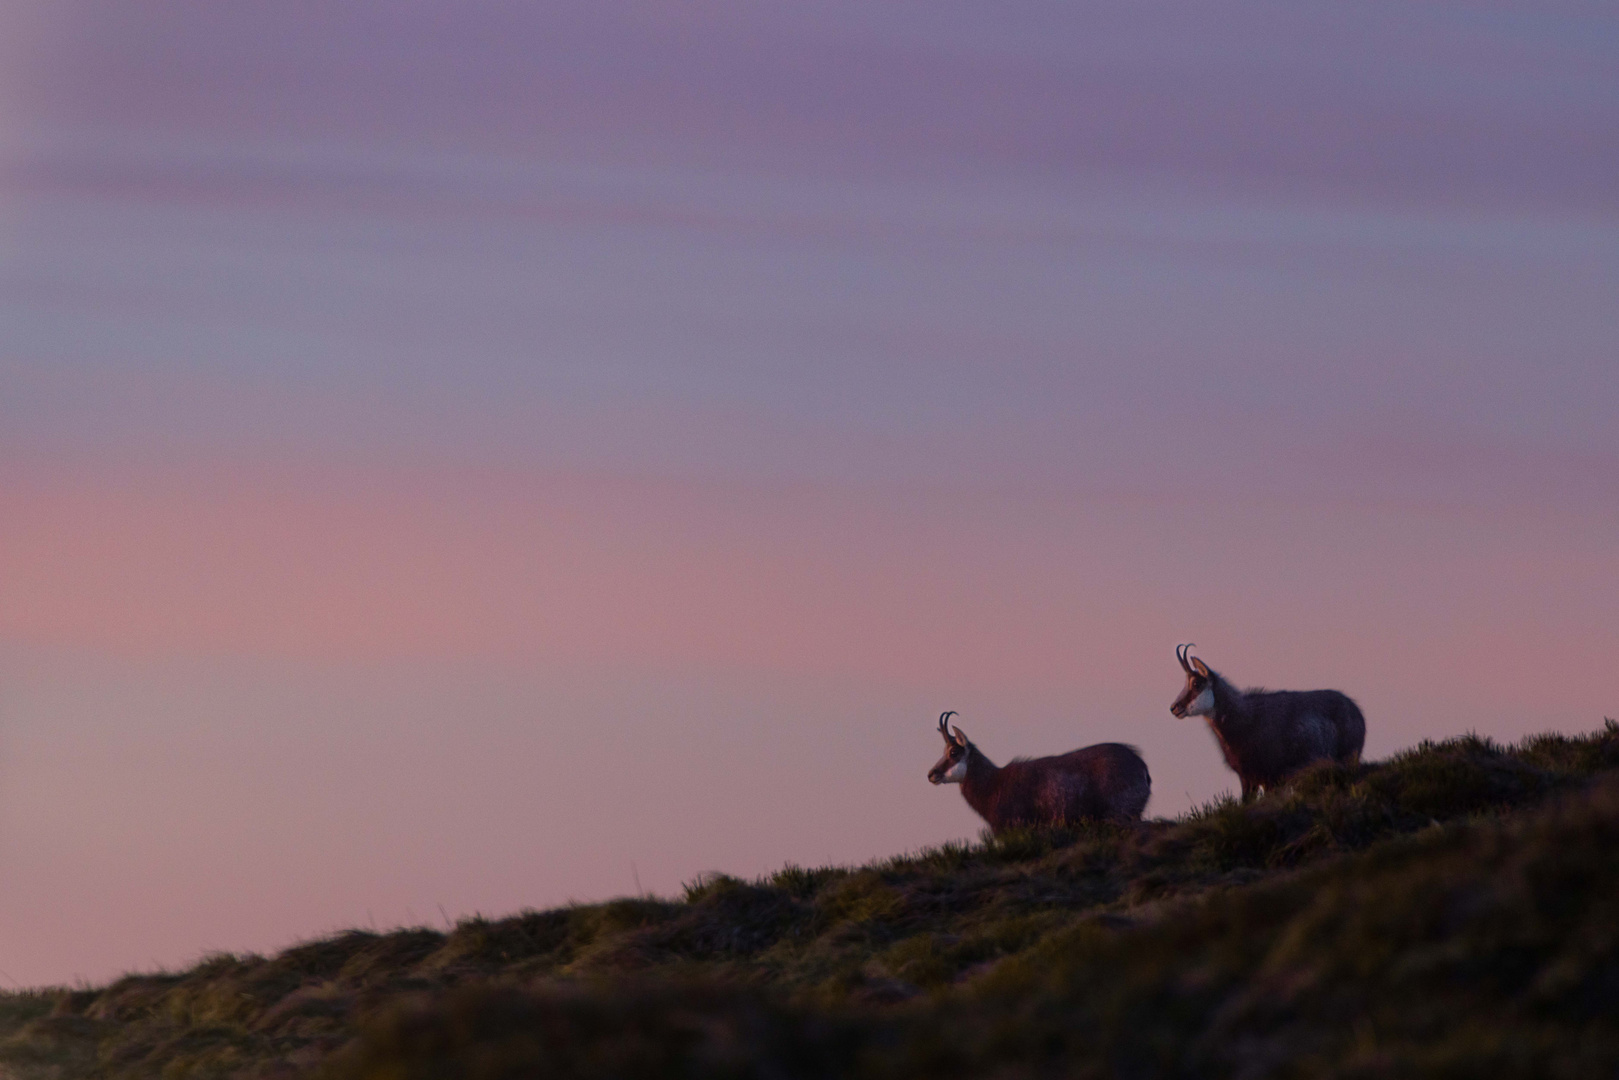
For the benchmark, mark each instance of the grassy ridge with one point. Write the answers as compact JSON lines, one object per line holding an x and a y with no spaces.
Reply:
{"x":1451,"y":911}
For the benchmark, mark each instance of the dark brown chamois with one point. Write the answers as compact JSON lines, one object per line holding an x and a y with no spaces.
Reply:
{"x":1268,"y":735}
{"x":1107,"y":781}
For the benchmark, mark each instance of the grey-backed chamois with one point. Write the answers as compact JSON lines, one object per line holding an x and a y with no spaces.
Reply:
{"x":1107,"y":781}
{"x":1268,"y":735}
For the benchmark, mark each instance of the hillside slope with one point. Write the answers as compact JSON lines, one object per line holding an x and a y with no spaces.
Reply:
{"x":1451,"y":911}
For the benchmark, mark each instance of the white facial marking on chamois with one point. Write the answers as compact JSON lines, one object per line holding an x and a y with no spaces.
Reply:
{"x":1203,"y":704}
{"x":956,"y":773}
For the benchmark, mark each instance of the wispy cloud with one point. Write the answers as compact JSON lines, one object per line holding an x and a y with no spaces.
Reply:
{"x":1444,"y":104}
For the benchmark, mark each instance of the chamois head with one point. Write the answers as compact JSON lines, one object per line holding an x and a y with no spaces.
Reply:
{"x":1198,"y":697}
{"x":952,"y":768}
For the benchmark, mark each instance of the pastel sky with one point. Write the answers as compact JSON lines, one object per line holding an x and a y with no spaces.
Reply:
{"x":459,"y":457}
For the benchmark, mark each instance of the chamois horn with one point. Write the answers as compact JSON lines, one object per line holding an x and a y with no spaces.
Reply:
{"x":1182,"y":652}
{"x":944,"y":728}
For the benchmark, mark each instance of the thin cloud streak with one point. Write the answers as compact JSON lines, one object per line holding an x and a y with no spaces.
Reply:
{"x":664,"y":320}
{"x":1445,"y":105}
{"x":592,"y":570}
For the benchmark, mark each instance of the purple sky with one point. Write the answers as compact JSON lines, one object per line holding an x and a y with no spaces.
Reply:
{"x":453,"y":453}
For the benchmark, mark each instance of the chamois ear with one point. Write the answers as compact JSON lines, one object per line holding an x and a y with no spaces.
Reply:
{"x":961,"y":739}
{"x":1202,"y":668}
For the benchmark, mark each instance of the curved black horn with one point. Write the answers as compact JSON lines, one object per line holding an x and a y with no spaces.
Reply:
{"x":1183,"y":653}
{"x":944,"y":728}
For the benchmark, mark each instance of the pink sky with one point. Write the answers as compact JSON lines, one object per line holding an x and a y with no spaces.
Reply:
{"x":470,"y":457}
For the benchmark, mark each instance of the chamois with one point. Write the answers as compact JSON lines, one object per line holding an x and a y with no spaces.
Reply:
{"x":1107,"y":781}
{"x":1268,"y":735}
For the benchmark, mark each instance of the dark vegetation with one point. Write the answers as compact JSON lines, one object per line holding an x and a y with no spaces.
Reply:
{"x":1453,"y":911}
